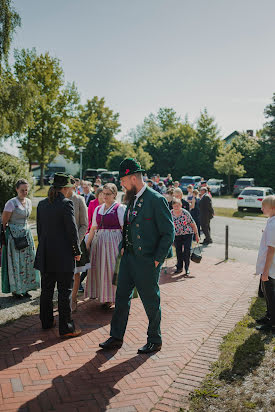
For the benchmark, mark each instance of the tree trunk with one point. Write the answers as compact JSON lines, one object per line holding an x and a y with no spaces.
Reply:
{"x":30,"y":165}
{"x":42,"y":167}
{"x":229,"y":188}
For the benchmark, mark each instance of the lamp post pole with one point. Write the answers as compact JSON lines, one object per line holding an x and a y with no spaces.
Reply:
{"x":81,"y":151}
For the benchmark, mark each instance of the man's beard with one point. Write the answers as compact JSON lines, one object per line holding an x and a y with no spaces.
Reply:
{"x":130,"y":195}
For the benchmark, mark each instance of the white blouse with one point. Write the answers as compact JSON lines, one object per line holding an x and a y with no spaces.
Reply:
{"x":9,"y":206}
{"x":100,"y":209}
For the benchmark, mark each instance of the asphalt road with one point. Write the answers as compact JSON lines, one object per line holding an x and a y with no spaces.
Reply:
{"x":244,"y":234}
{"x":218,"y":202}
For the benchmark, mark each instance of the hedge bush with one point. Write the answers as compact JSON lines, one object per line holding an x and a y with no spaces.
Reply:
{"x":11,"y":169}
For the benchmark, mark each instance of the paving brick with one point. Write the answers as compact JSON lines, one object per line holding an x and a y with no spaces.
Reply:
{"x":16,"y":385}
{"x":40,"y":372}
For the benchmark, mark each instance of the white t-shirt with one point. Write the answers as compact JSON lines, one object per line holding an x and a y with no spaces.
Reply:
{"x":268,"y":239}
{"x":100,"y":209}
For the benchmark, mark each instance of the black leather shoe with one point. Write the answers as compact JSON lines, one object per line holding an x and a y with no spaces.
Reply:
{"x":111,"y":343}
{"x":150,"y":347}
{"x":207,"y":242}
{"x":177,"y":271}
{"x":263,"y":320}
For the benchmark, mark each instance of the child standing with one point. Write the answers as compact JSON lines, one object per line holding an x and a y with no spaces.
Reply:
{"x":266,"y":265}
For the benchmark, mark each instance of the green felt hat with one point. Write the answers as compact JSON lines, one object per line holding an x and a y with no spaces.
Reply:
{"x":129,"y":166}
{"x":62,"y":180}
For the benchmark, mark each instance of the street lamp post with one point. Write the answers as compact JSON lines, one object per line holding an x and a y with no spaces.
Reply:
{"x":81,"y":151}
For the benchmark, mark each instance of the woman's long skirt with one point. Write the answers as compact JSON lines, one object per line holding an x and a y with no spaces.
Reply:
{"x":104,"y":252}
{"x":18,"y":273}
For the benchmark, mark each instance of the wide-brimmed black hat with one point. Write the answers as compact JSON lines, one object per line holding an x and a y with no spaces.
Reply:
{"x":129,"y":166}
{"x":62,"y":180}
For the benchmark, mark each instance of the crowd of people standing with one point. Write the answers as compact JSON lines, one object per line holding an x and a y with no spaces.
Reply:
{"x":81,"y":228}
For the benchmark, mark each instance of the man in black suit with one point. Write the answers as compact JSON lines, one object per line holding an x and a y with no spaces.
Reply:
{"x":206,"y":214}
{"x":87,"y":194}
{"x":58,"y":248}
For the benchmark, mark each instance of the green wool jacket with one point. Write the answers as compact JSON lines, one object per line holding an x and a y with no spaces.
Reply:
{"x":151,"y":226}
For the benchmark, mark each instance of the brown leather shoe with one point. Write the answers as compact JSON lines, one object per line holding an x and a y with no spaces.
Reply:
{"x":77,"y":332}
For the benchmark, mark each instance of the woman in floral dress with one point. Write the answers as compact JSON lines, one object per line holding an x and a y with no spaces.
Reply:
{"x":18,"y":273}
{"x":185,"y":228}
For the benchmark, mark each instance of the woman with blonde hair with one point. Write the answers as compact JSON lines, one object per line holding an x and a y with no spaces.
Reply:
{"x":179,"y":195}
{"x":104,"y":238}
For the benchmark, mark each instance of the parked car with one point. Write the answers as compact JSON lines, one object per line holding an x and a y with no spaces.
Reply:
{"x":189,"y":180}
{"x":92,"y":174}
{"x":217,"y":187}
{"x":111,"y":177}
{"x":45,"y":179}
{"x":252,"y":197}
{"x":242,"y":183}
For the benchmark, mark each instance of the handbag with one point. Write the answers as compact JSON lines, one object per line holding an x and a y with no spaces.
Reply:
{"x":20,"y":242}
{"x":196,"y":255}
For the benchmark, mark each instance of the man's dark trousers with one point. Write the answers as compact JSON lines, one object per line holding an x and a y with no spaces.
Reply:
{"x":205,"y":225}
{"x":183,"y":255}
{"x":139,"y":271}
{"x":269,"y":294}
{"x":64,"y":282}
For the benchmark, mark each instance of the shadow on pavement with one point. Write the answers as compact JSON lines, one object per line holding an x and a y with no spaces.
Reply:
{"x":21,"y":345}
{"x":86,"y":387}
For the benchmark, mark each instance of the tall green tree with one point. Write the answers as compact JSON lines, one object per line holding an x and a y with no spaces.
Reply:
{"x":203,"y":149}
{"x":154,"y":125}
{"x":16,"y":102}
{"x":168,"y":150}
{"x":106,"y":128}
{"x":121,"y":150}
{"x":249,"y":147}
{"x":266,"y":157}
{"x":56,"y":105}
{"x":9,"y":21}
{"x":270,"y":125}
{"x":228,"y":163}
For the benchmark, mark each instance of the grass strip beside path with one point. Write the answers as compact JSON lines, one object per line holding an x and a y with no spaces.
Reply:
{"x":228,"y":212}
{"x":41,"y":192}
{"x":243,"y":377}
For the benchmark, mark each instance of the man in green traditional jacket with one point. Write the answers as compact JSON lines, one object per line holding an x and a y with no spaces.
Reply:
{"x":148,"y":233}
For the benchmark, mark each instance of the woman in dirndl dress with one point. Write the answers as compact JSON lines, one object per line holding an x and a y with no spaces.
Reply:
{"x":104,"y":238}
{"x":18,"y":273}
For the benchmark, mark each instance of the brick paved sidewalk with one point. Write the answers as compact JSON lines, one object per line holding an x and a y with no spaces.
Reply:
{"x":40,"y":372}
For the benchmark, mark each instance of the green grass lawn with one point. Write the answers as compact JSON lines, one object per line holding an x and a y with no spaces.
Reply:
{"x":38,"y":192}
{"x":33,"y":213}
{"x":243,"y":351}
{"x":228,"y":212}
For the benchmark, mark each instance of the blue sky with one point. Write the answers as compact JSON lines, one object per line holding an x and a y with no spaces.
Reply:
{"x":145,"y":54}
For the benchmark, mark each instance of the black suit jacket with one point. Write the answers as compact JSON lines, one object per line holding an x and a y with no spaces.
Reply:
{"x":206,"y":209}
{"x":91,"y":197}
{"x":57,"y":236}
